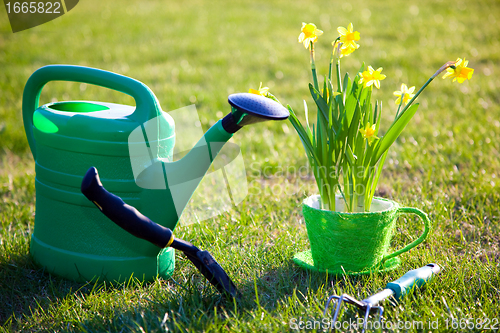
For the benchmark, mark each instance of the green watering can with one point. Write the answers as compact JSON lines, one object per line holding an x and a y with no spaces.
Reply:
{"x":132,"y":147}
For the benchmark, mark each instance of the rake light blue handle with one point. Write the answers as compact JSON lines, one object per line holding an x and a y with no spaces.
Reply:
{"x":417,"y":277}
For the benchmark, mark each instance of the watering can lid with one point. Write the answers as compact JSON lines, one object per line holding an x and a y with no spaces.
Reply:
{"x":96,"y":121}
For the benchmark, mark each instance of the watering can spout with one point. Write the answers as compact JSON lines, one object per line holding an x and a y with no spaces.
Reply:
{"x":168,"y":186}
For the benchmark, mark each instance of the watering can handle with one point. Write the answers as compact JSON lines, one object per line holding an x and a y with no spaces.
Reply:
{"x":147,"y":106}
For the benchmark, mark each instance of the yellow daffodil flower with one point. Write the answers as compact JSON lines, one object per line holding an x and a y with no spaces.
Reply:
{"x":262,"y":91}
{"x":459,"y":72}
{"x":343,"y":51}
{"x":405,"y":94}
{"x":368,"y":133}
{"x":309,"y":34}
{"x":348,"y":37}
{"x":372,"y":77}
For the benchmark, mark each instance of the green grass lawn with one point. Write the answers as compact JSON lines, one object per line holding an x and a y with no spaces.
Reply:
{"x":447,"y":161}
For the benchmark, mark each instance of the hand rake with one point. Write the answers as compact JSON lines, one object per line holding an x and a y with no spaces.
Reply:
{"x":399,"y":288}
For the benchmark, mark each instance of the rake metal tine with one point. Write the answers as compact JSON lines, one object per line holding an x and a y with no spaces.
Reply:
{"x":337,"y":306}
{"x":367,"y":313}
{"x":380,"y":312}
{"x":328,"y":303}
{"x":369,"y":308}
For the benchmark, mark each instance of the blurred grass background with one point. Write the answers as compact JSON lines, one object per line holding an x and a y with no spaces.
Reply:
{"x":445,"y":163}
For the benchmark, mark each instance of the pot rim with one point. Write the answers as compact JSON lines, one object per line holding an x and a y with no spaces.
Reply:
{"x":387,"y":205}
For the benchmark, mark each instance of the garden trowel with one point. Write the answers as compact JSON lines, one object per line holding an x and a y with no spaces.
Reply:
{"x":141,"y":226}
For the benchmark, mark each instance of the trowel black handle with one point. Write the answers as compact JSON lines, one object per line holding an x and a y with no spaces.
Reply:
{"x":140,"y":226}
{"x":122,"y":214}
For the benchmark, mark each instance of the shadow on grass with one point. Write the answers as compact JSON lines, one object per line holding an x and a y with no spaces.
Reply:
{"x":196,"y":305}
{"x":32,"y":299}
{"x":25,"y":288}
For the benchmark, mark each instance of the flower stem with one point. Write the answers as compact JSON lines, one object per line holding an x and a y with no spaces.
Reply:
{"x":439,"y":71}
{"x":330,"y":68}
{"x":339,"y":80}
{"x":313,"y":68}
{"x":400,"y":104}
{"x":332,"y":58}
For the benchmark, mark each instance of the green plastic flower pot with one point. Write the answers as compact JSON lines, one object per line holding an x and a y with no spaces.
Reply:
{"x":354,"y":243}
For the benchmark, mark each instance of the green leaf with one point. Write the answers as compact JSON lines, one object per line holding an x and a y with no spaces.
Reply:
{"x":321,"y":141}
{"x":362,"y":68}
{"x":323,"y":108}
{"x":351,"y":158}
{"x":339,"y":84}
{"x":373,"y":181}
{"x":370,"y":114}
{"x":354,"y":127}
{"x":306,"y":141}
{"x":377,"y":116}
{"x":351,"y":100}
{"x":308,"y":129}
{"x":350,"y":106}
{"x":347,"y":83}
{"x":363,"y":94}
{"x":332,"y":104}
{"x":368,"y":155}
{"x":325,"y":89}
{"x":320,"y":102}
{"x":308,"y":146}
{"x":393,"y":132}
{"x":365,"y":111}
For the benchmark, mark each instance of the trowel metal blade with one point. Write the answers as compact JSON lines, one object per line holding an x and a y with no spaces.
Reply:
{"x":214,"y":273}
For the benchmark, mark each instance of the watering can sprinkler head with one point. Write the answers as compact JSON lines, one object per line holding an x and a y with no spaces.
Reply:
{"x":249,"y":109}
